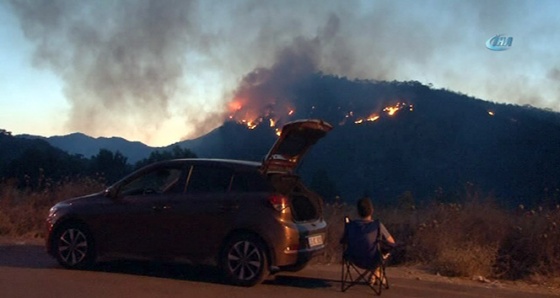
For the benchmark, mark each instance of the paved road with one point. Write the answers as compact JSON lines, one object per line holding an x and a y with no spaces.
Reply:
{"x":26,"y":271}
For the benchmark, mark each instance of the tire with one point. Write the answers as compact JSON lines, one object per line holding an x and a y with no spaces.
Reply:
{"x":73,"y":246}
{"x":244,"y":261}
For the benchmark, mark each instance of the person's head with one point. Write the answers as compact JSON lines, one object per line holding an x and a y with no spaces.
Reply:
{"x":365,"y":207}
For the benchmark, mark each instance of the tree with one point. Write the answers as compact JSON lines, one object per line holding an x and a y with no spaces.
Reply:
{"x":175,"y":152}
{"x":110,"y":165}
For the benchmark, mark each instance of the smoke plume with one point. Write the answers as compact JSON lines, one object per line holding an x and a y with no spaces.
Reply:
{"x":121,"y":62}
{"x":145,"y":68}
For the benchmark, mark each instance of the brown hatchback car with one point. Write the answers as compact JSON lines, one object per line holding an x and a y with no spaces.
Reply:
{"x":248,"y":218}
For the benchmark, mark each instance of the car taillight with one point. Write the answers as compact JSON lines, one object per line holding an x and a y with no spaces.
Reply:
{"x":279,"y":202}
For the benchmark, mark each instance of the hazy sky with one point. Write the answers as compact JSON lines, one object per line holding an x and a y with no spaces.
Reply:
{"x":162,"y":71}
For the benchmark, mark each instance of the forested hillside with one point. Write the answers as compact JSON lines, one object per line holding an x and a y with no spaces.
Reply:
{"x":392,"y":140}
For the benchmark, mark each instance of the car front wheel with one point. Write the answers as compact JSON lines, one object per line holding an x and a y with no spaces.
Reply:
{"x":244,"y":261}
{"x":73,"y":246}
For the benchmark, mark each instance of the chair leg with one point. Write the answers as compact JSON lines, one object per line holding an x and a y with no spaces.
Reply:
{"x":346,"y":277}
{"x":362,"y":276}
{"x":385,"y":279}
{"x":343,"y":276}
{"x":379,"y":280}
{"x":376,"y":282}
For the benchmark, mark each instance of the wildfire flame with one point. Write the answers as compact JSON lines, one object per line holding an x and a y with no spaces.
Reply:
{"x":250,"y":124}
{"x":251,"y":118}
{"x":370,"y":118}
{"x":391,"y":110}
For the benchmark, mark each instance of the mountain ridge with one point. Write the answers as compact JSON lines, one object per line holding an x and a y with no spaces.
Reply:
{"x":428,"y":142}
{"x":88,"y":146}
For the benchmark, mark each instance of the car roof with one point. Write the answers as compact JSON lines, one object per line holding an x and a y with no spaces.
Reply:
{"x":215,"y":161}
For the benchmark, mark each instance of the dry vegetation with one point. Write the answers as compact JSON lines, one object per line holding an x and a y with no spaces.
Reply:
{"x":473,"y":239}
{"x":23,"y":212}
{"x":470,"y":239}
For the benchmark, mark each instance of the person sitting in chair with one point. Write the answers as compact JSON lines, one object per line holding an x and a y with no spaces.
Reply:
{"x":361,"y":237}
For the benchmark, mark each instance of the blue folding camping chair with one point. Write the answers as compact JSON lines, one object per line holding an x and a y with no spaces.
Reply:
{"x":364,"y":265}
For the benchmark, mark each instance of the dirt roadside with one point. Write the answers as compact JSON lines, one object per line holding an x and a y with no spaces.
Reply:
{"x":421,"y":274}
{"x":26,"y":250}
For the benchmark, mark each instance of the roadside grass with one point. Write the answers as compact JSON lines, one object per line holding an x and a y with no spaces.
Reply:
{"x":471,"y":239}
{"x":23,"y":212}
{"x":474,"y":238}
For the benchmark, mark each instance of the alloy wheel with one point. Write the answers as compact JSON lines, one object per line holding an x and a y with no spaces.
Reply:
{"x":244,"y":260}
{"x":72,"y":247}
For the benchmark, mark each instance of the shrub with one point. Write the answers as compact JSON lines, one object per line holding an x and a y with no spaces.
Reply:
{"x":531,"y":246}
{"x":460,"y":240}
{"x":334,"y":215}
{"x":469,"y":239}
{"x":22,"y":212}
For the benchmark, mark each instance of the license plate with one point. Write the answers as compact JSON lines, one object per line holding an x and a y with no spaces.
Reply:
{"x":315,"y":240}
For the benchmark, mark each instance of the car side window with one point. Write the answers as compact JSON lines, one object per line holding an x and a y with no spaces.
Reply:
{"x":208,"y":179}
{"x":160,"y":180}
{"x":249,"y":181}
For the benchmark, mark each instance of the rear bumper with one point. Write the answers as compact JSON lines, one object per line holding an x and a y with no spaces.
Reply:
{"x":310,"y":250}
{"x":296,"y":248}
{"x":303,"y":257}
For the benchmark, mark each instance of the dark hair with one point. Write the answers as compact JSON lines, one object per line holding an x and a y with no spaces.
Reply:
{"x":365,"y":207}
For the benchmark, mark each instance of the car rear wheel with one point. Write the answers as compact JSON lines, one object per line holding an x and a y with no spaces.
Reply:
{"x":73,"y":246}
{"x":244,"y":261}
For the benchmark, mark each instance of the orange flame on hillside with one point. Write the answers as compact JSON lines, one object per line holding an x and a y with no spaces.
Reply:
{"x":391,"y":110}
{"x":250,"y":116}
{"x":370,"y":118}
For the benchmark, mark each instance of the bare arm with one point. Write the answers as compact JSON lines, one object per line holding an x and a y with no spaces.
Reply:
{"x":385,"y":233}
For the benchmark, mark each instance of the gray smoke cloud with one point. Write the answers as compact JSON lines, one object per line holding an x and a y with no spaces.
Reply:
{"x":267,"y":91}
{"x":121,"y":61}
{"x":130,"y":66}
